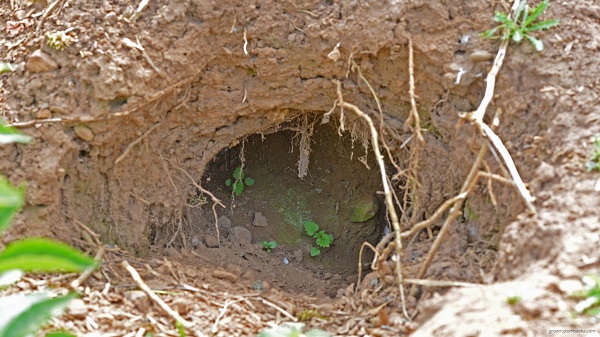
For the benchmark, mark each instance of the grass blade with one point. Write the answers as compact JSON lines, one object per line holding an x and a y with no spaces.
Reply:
{"x":43,"y":255}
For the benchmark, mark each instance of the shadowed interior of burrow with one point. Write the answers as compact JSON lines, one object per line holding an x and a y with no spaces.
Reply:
{"x":338,"y":192}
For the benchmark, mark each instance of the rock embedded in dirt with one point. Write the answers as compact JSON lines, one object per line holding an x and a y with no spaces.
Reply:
{"x":211,"y":241}
{"x":259,"y":220}
{"x":44,"y":114}
{"x":364,"y":209}
{"x":77,"y":309}
{"x":299,"y":255}
{"x":84,"y":133}
{"x":481,"y":56}
{"x":139,"y":299}
{"x":40,"y":62}
{"x":241,"y":235}
{"x":224,"y":275}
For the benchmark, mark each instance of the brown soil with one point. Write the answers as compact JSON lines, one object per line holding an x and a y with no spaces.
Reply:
{"x":123,"y":143}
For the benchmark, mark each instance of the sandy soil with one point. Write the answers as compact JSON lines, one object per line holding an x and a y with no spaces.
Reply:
{"x":131,"y":143}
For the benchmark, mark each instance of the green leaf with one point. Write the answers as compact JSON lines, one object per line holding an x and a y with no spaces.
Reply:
{"x":228,"y":182}
{"x":9,"y":134}
{"x":537,"y":11}
{"x":538,"y":44}
{"x":59,"y":334}
{"x":11,"y":201}
{"x":544,"y":25}
{"x":249,"y":181}
{"x":238,"y":188}
{"x":6,"y":67}
{"x":311,"y":227}
{"x":273,"y":244}
{"x":325,"y":240}
{"x":28,"y":320}
{"x":319,"y":234}
{"x":314,"y":251}
{"x":43,"y":255}
{"x":502,"y":18}
{"x":517,"y":36}
{"x":238,"y":174}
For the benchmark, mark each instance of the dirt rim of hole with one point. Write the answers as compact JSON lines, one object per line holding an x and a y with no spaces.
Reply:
{"x":128,"y":133}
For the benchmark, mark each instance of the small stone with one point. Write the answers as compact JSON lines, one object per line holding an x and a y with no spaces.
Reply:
{"x":139,"y":299}
{"x":84,"y":133}
{"x":211,"y":241}
{"x":173,"y":253}
{"x":181,"y":306}
{"x":234,"y":269}
{"x":110,"y":18}
{"x":481,"y":56}
{"x":224,"y":275}
{"x":569,"y":286}
{"x":241,"y":235}
{"x":40,"y":62}
{"x":77,"y":309}
{"x":299,"y":255}
{"x":259,"y":220}
{"x":44,"y":114}
{"x":224,"y":222}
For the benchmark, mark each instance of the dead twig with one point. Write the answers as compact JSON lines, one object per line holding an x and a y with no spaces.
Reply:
{"x":47,"y":12}
{"x":86,"y":273}
{"x":136,"y":141}
{"x":136,"y":277}
{"x":414,"y":113}
{"x":386,"y":188}
{"x":438,"y":283}
{"x":438,"y":213}
{"x":373,"y":264}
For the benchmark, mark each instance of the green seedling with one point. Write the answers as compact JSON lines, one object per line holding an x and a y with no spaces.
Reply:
{"x":522,"y":25}
{"x":237,"y":185}
{"x":594,"y":163}
{"x":590,"y":296}
{"x":512,"y":300}
{"x":322,"y":238}
{"x":267,"y":246}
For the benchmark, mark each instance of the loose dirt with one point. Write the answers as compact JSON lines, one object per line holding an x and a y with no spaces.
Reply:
{"x":139,"y":123}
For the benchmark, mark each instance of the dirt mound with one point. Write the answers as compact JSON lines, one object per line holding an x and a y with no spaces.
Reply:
{"x":143,"y":117}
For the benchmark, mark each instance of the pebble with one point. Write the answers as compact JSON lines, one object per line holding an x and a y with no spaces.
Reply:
{"x":299,"y":255}
{"x":139,"y":299}
{"x":181,"y":306}
{"x":84,"y":133}
{"x":40,"y":62}
{"x":44,"y":114}
{"x":241,"y":235}
{"x":77,"y":309}
{"x":224,"y":275}
{"x":110,"y":18}
{"x":211,"y":241}
{"x":481,"y":56}
{"x":259,"y":220}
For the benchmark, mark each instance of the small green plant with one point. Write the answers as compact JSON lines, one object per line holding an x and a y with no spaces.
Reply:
{"x":522,"y":25}
{"x":292,"y":330}
{"x":237,"y":185}
{"x":594,"y":163}
{"x":512,"y":300}
{"x":22,"y":314}
{"x":322,"y":238}
{"x":268,"y":245}
{"x":590,"y":296}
